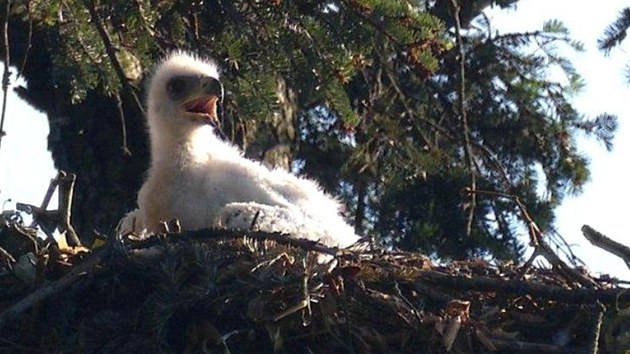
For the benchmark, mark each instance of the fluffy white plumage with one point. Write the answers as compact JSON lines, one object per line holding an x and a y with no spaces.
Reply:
{"x":203,"y":181}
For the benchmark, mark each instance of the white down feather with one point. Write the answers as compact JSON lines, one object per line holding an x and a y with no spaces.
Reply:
{"x":204,"y":182}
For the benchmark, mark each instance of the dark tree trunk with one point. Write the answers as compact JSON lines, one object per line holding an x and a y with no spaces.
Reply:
{"x":281,"y":151}
{"x":85,"y":139}
{"x":275,"y":145}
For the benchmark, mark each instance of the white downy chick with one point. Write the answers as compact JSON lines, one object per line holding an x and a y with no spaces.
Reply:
{"x":203,"y":181}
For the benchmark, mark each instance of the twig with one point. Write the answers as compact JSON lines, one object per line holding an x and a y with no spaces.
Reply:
{"x":107,"y":42}
{"x":42,"y":294}
{"x":605,"y":243}
{"x":142,"y":18}
{"x":464,"y":116}
{"x":521,"y":287}
{"x":49,"y":220}
{"x":562,"y":245}
{"x":54,"y":182}
{"x":111,"y":53}
{"x":6,"y":73}
{"x":431,"y":277}
{"x":412,"y":307}
{"x":123,"y":124}
{"x":49,"y":193}
{"x":541,"y":247}
{"x":490,"y":155}
{"x":6,"y":257}
{"x":66,"y":191}
{"x":534,"y":232}
{"x":597,"y":328}
{"x":213,"y":233}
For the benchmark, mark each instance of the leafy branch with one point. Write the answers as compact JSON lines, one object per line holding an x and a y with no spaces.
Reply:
{"x":615,"y":33}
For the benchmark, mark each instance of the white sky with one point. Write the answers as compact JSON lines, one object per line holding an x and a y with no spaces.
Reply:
{"x":602,"y":204}
{"x":26,"y":167}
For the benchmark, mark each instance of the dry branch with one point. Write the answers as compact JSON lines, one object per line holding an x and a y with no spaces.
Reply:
{"x":463,"y":113}
{"x":520,"y":288}
{"x":49,"y":220}
{"x":600,"y":240}
{"x":55,"y":287}
{"x":6,"y":73}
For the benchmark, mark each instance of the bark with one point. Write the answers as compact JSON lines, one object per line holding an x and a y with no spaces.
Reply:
{"x":281,"y":148}
{"x":85,"y":139}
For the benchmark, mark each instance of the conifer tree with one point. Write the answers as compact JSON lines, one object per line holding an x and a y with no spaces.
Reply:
{"x":399,"y":107}
{"x":615,"y":34}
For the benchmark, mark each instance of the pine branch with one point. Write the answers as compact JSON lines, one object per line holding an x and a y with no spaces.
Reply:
{"x":615,"y":33}
{"x":521,"y":287}
{"x":111,"y":53}
{"x":123,"y":125}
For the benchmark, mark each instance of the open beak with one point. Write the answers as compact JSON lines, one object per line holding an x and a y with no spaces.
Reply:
{"x":204,"y":108}
{"x":203,"y":104}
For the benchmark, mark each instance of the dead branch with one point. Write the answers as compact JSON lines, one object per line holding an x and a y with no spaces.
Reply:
{"x":49,"y":220}
{"x":123,"y":125}
{"x":520,"y":287}
{"x":54,"y":182}
{"x":86,"y":267}
{"x":6,"y":73}
{"x":597,"y":329}
{"x":541,"y":248}
{"x":212,"y":233}
{"x":6,"y":259}
{"x":66,"y":191}
{"x":600,"y":240}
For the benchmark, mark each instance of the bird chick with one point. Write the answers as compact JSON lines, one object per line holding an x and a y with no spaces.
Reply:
{"x":203,"y":181}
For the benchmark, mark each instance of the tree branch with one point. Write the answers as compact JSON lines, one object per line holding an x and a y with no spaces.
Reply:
{"x":6,"y":73}
{"x":607,"y":244}
{"x":464,"y":117}
{"x":541,"y":247}
{"x":111,"y":54}
{"x":66,"y":192}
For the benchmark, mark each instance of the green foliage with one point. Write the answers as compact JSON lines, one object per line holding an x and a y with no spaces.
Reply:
{"x":615,"y":34}
{"x":377,"y":85}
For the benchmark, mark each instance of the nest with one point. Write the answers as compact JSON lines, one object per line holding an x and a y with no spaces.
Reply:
{"x":221,"y":291}
{"x":230,"y":291}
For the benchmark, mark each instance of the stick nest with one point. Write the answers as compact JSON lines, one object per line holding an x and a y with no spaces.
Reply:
{"x":219,"y":291}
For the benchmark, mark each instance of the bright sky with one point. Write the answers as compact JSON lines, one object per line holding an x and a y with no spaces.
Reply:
{"x":602,"y":204}
{"x":26,"y":167}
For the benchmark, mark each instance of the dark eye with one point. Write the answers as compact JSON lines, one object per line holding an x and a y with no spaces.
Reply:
{"x":176,"y":88}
